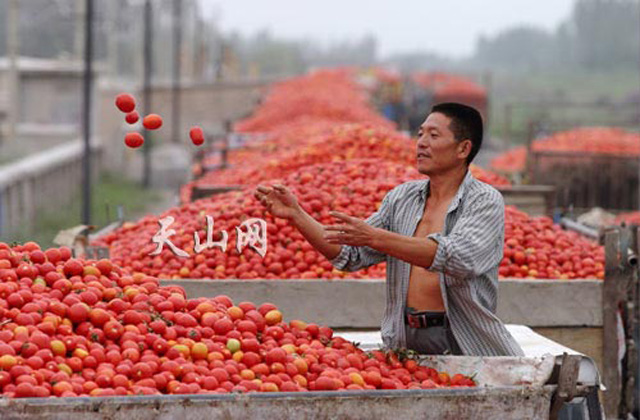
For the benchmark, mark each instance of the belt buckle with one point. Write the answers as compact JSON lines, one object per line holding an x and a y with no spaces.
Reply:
{"x":413,"y":321}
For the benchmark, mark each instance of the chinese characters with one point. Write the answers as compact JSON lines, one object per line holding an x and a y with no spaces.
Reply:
{"x":255,"y":236}
{"x":252,"y":232}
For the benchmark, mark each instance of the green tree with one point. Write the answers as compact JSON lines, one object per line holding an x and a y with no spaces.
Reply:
{"x":525,"y":48}
{"x":607,"y":33}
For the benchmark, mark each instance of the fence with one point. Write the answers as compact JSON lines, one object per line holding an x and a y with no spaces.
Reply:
{"x":47,"y":180}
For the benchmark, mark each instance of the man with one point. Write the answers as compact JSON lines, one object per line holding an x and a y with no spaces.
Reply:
{"x":442,"y":239}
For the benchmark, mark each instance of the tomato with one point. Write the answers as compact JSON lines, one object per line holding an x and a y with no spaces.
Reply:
{"x":276,"y":355}
{"x":132,"y":117}
{"x":133,"y":140}
{"x":125,"y":102}
{"x":72,"y":268}
{"x":197,"y":135}
{"x":113,"y":330}
{"x":152,"y":121}
{"x":78,"y":312}
{"x":273,"y":317}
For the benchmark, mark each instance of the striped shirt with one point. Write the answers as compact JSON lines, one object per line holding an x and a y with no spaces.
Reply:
{"x":467,"y":259}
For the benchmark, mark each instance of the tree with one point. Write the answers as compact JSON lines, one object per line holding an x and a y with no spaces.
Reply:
{"x":524,"y":48}
{"x":599,"y":35}
{"x":607,"y":33}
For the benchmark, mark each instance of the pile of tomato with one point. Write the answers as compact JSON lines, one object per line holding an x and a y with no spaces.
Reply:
{"x":357,"y":188}
{"x":536,"y":248}
{"x":73,"y":327}
{"x":446,"y":84}
{"x":323,"y":94}
{"x":628,"y":218}
{"x":308,"y":136}
{"x":289,"y":150}
{"x":331,"y":161}
{"x":510,"y":162}
{"x":588,"y":141}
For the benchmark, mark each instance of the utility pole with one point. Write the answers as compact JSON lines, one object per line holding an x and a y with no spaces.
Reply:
{"x":638,"y":203}
{"x":13,"y":47}
{"x":146,"y":95}
{"x":187,"y":47}
{"x":86,"y":112}
{"x":113,"y":17}
{"x":79,"y":41}
{"x":177,"y":63}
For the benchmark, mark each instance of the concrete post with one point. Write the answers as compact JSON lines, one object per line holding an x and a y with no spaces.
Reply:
{"x":13,"y":28}
{"x":78,"y":37}
{"x":113,"y":15}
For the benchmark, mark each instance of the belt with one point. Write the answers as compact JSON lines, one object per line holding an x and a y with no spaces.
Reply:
{"x":426,"y":319}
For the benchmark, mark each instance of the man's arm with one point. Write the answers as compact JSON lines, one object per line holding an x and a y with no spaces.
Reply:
{"x":313,"y":232}
{"x":415,"y":251}
{"x":473,"y":247}
{"x":354,"y":257}
{"x":360,"y":234}
{"x":343,"y":257}
{"x":280,"y":202}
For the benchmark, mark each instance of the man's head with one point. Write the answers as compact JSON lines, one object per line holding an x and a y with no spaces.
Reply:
{"x":450,"y":136}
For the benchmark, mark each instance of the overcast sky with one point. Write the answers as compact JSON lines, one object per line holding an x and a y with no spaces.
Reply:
{"x":448,"y":27}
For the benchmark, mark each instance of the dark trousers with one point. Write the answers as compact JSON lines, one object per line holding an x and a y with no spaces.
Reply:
{"x":431,"y":340}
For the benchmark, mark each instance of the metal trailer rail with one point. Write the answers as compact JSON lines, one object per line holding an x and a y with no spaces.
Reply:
{"x":507,"y":387}
{"x":533,"y":387}
{"x":545,"y":362}
{"x":453,"y":403}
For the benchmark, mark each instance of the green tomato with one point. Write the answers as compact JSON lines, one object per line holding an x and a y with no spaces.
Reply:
{"x":233,"y":345}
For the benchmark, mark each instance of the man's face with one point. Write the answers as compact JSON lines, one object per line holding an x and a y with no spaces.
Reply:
{"x":437,"y":148}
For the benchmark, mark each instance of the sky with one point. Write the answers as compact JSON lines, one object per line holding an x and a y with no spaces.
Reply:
{"x":449,"y":27}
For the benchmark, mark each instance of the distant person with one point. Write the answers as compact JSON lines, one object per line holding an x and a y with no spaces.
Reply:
{"x":442,"y":239}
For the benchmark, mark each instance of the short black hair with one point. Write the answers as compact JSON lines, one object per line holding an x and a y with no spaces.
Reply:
{"x":466,"y":123}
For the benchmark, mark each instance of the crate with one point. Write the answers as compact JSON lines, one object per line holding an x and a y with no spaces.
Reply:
{"x":587,"y":180}
{"x":535,"y":200}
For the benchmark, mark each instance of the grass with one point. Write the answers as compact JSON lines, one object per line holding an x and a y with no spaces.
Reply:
{"x":575,"y":87}
{"x":110,"y":191}
{"x":5,"y":159}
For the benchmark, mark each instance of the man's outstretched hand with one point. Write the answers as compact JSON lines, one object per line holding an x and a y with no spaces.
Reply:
{"x":349,"y":231}
{"x":278,"y":200}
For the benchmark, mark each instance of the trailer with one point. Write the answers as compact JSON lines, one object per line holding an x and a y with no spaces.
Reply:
{"x":595,"y":318}
{"x":532,"y":387}
{"x":508,"y":402}
{"x":546,"y":363}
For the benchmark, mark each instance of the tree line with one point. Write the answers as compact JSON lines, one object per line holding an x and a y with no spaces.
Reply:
{"x":598,"y":35}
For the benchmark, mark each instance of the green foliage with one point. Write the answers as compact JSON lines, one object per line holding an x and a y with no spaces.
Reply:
{"x":520,"y":47}
{"x":532,"y":96}
{"x":273,"y":56}
{"x":111,"y":190}
{"x":599,"y":35}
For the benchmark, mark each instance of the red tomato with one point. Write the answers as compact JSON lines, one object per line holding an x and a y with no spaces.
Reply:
{"x":133,"y":140}
{"x":125,"y":102}
{"x":197,"y":135}
{"x":132,"y":117}
{"x":152,"y":122}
